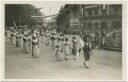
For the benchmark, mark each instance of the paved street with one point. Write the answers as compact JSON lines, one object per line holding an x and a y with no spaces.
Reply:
{"x":104,"y":65}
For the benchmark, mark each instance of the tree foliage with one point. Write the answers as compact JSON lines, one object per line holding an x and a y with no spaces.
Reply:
{"x":65,"y":14}
{"x":20,"y":14}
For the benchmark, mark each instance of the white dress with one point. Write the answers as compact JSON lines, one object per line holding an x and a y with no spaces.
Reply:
{"x":35,"y":48}
{"x":67,"y":48}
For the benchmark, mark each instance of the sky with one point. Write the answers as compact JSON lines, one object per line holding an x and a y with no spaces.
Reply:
{"x":49,"y":7}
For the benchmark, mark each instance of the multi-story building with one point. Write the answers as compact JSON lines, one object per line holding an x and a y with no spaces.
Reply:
{"x":99,"y":16}
{"x":102,"y":16}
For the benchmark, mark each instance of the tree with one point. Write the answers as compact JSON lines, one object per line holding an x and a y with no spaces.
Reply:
{"x":66,"y":13}
{"x":20,"y":13}
{"x":62,"y":20}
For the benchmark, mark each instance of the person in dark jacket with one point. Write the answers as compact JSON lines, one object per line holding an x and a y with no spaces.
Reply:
{"x":87,"y":51}
{"x":74,"y":47}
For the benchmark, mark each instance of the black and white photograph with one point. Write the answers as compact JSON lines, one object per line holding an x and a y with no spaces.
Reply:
{"x":63,"y":41}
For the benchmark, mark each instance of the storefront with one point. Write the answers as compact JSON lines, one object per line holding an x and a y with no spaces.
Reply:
{"x":74,"y":26}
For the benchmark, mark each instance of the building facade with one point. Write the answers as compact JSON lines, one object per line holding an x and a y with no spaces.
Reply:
{"x":92,"y":17}
{"x":102,"y":16}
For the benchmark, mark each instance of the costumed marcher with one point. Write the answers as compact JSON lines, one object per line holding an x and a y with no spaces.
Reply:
{"x":81,"y":43}
{"x":11,"y":34}
{"x":62,"y":38}
{"x":42,"y":36}
{"x":92,"y":36}
{"x":35,"y":46}
{"x":18,"y":39}
{"x":8,"y":33}
{"x":26,"y":40}
{"x":47,"y":38}
{"x":30,"y":41}
{"x":75,"y":48}
{"x":13,"y":37}
{"x":87,"y":51}
{"x":66,"y":48}
{"x":58,"y":50}
{"x":56,"y":39}
{"x":52,"y":39}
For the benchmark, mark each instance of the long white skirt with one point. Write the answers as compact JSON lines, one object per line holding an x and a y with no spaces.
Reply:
{"x":26,"y":47}
{"x":18,"y":43}
{"x":35,"y":51}
{"x":47,"y":41}
{"x":14,"y":40}
{"x":42,"y":38}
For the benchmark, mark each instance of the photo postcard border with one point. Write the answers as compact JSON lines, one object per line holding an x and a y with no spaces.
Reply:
{"x":124,"y":39}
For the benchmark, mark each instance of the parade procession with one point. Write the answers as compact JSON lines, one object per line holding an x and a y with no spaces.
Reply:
{"x":30,"y":40}
{"x":78,"y":40}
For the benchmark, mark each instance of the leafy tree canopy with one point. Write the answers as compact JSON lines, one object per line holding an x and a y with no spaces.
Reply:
{"x":20,"y":14}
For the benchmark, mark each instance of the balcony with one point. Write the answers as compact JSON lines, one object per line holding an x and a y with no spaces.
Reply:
{"x":94,"y":17}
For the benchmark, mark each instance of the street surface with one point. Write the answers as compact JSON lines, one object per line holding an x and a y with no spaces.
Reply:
{"x":104,"y":65}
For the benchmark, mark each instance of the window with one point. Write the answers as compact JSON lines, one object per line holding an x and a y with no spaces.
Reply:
{"x":89,"y":13}
{"x":96,"y":12}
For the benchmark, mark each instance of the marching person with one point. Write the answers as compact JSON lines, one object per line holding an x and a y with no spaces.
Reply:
{"x":47,"y":38}
{"x":58,"y":50}
{"x":87,"y":51}
{"x":8,"y":33}
{"x":66,"y":48}
{"x":11,"y":34}
{"x":42,"y":36}
{"x":81,"y":43}
{"x":13,"y":37}
{"x":35,"y":46}
{"x":62,"y":38}
{"x":75,"y":48}
{"x":18,"y":39}
{"x":55,"y":40}
{"x":52,"y":39}
{"x":30,"y":42}
{"x":26,"y":40}
{"x":37,"y":34}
